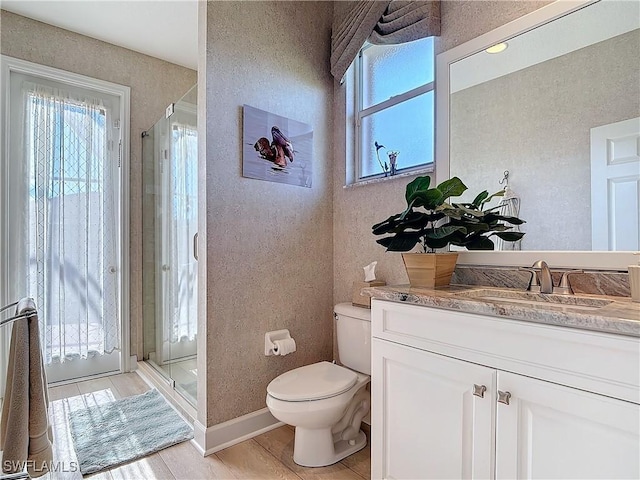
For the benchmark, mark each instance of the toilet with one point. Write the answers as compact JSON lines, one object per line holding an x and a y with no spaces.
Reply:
{"x":326,"y":402}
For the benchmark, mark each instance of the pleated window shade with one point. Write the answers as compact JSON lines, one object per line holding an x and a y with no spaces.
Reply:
{"x":382,"y":23}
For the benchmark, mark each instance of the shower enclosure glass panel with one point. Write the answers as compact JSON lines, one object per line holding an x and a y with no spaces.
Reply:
{"x":170,"y":216}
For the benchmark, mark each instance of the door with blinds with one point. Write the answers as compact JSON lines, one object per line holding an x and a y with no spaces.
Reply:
{"x":63,"y":219}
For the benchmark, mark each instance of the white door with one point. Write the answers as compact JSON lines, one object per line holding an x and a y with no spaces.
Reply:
{"x":550,"y":431}
{"x":427,"y":422}
{"x":615,"y":186}
{"x":63,"y":215}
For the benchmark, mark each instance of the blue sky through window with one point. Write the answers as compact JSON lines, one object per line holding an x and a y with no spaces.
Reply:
{"x":408,"y":126}
{"x":77,"y":136}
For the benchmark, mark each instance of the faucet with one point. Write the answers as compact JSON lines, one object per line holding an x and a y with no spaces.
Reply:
{"x":546,"y":282}
{"x":542,"y":281}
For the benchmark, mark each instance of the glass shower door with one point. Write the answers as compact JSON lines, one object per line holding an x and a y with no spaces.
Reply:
{"x":175,"y":212}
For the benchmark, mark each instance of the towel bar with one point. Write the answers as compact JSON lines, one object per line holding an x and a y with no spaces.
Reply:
{"x":6,"y":307}
{"x":15,"y":317}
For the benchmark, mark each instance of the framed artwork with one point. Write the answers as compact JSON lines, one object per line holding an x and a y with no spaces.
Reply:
{"x":275,"y":148}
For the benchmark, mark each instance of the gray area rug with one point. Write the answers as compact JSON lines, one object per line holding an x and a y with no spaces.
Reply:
{"x":120,"y":431}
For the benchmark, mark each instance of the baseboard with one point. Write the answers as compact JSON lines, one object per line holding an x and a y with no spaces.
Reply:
{"x":223,"y":435}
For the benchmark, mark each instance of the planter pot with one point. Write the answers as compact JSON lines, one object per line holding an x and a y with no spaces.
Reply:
{"x":430,"y":269}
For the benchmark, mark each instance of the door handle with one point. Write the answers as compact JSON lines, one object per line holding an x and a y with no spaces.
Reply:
{"x":195,"y":246}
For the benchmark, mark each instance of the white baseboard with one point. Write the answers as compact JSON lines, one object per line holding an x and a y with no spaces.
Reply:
{"x":223,"y":435}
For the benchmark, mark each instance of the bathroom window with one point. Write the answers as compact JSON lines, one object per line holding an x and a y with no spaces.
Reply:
{"x":394,"y":108}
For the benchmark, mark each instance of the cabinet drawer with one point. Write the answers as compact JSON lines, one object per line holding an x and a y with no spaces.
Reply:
{"x":598,"y":362}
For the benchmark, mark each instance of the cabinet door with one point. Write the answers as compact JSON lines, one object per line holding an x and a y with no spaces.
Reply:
{"x":552,"y":431}
{"x":426,"y":420}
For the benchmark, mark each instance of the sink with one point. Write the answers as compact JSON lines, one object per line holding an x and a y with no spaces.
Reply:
{"x":544,"y":300}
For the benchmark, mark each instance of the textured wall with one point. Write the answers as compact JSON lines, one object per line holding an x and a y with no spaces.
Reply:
{"x":465,"y":20}
{"x":536,"y":123}
{"x":356,"y":209}
{"x":268,"y":246}
{"x":154,"y":84}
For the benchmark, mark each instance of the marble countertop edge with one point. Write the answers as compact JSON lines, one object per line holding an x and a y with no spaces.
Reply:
{"x":621,"y":316}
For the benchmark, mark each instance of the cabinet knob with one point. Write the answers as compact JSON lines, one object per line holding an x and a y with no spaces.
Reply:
{"x":503,"y":397}
{"x":478,"y":390}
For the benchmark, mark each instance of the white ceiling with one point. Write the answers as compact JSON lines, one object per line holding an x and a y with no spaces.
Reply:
{"x":166,"y":29}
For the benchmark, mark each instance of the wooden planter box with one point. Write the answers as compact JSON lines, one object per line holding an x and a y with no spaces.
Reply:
{"x":430,"y":269}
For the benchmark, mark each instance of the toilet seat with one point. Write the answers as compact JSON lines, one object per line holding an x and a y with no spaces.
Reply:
{"x":312,"y":382}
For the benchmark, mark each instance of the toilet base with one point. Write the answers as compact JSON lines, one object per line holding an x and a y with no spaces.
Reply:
{"x":316,"y":448}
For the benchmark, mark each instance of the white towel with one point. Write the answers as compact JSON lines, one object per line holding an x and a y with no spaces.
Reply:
{"x":25,"y":433}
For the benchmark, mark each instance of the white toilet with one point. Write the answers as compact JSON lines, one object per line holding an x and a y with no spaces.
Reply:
{"x":326,"y":402}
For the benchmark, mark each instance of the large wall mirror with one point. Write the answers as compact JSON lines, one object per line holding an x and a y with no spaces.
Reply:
{"x":559,"y":109}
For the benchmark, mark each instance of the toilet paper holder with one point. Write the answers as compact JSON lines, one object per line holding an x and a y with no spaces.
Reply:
{"x":271,"y":337}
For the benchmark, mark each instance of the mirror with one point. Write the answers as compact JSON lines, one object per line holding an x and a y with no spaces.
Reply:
{"x":559,"y":101}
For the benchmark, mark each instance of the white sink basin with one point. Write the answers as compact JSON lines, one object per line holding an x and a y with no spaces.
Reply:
{"x":544,"y":300}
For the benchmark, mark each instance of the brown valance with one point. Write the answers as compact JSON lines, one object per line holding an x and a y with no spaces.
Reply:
{"x":381,"y":22}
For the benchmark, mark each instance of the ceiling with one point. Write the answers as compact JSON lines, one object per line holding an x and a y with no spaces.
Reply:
{"x":165,"y":29}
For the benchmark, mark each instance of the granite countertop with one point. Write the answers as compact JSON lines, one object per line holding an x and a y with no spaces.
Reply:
{"x":600,"y":313}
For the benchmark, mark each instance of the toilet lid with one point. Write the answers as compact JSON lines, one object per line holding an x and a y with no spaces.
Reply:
{"x":312,"y":382}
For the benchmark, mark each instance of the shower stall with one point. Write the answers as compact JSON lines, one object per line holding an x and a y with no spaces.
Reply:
{"x":170,"y":226}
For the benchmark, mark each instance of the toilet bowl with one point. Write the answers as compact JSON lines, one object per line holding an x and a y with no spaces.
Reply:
{"x":327,"y":402}
{"x":330,"y":391}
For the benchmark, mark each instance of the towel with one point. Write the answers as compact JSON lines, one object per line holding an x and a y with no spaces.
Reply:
{"x":25,"y":433}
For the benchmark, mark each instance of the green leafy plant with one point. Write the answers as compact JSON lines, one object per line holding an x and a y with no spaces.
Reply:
{"x":432,"y":222}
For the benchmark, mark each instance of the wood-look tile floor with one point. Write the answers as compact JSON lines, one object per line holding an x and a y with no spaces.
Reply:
{"x":267,"y":456}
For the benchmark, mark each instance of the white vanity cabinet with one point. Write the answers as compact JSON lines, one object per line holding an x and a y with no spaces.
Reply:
{"x":554,"y":431}
{"x":426,"y":421}
{"x":441,"y":380}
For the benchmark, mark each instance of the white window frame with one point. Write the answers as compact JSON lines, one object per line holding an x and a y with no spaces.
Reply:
{"x":359,"y":114}
{"x":7,"y":66}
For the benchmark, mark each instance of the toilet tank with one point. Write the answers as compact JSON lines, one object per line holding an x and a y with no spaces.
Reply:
{"x":353,"y":330}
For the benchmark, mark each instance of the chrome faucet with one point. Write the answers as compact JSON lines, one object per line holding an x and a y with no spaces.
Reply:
{"x":542,"y":281}
{"x":546,"y":281}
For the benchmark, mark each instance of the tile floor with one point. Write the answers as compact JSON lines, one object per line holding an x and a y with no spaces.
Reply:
{"x":267,"y":456}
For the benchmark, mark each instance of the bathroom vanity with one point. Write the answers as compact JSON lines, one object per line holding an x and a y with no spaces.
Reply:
{"x":475,"y":382}
{"x":481,"y":382}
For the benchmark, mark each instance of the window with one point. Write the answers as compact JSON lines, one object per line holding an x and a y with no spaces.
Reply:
{"x":394,"y":107}
{"x":77,"y":136}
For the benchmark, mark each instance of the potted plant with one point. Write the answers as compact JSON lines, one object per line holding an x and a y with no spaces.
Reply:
{"x":433,"y":223}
